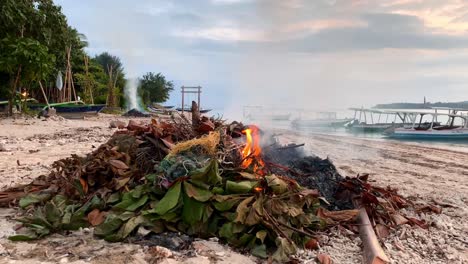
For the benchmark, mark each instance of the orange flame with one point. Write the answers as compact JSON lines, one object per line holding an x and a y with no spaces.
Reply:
{"x":252,"y":151}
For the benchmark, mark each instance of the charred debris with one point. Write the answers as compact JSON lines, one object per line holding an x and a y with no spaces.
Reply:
{"x":204,"y":178}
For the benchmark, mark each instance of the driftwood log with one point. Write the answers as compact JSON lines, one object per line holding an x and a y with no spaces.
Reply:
{"x":373,"y":252}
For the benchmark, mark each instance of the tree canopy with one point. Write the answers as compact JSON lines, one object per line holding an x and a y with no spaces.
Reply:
{"x":34,"y":39}
{"x":154,"y":88}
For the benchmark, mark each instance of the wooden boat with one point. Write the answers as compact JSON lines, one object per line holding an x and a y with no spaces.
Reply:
{"x":456,"y":128}
{"x":321,"y":120}
{"x":370,"y":120}
{"x":186,"y":109}
{"x":74,"y":109}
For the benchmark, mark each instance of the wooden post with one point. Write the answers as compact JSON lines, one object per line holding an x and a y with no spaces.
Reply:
{"x":44,"y":94}
{"x":195,"y":115}
{"x":88,"y":84}
{"x":199,"y":91}
{"x":183,"y":95}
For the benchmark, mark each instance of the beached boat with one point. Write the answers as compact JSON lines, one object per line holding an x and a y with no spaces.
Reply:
{"x":186,"y":109}
{"x":74,"y":109}
{"x":455,"y":128}
{"x":377,"y":121}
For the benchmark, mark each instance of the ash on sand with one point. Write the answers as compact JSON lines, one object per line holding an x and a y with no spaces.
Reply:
{"x":135,"y":113}
{"x":308,"y":170}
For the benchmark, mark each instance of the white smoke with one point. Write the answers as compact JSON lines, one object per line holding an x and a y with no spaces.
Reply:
{"x":131,"y":94}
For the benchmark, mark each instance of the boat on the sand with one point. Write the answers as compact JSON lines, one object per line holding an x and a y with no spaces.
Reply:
{"x":73,"y":109}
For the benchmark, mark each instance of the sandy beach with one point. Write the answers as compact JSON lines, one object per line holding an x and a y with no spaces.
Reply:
{"x":427,"y":174}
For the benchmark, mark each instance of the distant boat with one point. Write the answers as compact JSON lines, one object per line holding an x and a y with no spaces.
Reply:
{"x":186,"y":109}
{"x":321,"y":120}
{"x":371,"y":120}
{"x":452,"y":130}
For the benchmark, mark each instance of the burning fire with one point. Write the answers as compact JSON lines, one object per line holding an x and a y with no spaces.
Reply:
{"x":251,"y":154}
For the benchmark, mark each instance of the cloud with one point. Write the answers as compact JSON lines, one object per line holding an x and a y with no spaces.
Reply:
{"x":323,"y":53}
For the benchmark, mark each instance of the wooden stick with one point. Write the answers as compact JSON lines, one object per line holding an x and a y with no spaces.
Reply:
{"x":44,"y":94}
{"x":195,"y":114}
{"x":291,"y":146}
{"x":373,"y":252}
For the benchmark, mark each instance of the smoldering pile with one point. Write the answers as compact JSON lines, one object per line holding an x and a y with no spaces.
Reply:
{"x":204,"y":178}
{"x":135,"y":113}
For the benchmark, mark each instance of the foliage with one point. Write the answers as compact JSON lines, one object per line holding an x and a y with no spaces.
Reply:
{"x":116,"y":81}
{"x":40,"y":28}
{"x":33,"y":57}
{"x":154,"y":88}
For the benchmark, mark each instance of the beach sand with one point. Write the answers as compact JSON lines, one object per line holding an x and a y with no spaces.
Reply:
{"x":422,"y":173}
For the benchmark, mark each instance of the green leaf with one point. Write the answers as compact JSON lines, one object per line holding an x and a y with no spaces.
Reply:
{"x":126,"y":229}
{"x":192,"y":212}
{"x":33,"y":236}
{"x":151,"y":177}
{"x":170,"y":200}
{"x":33,"y":198}
{"x":285,"y":249}
{"x":259,"y":251}
{"x":130,"y":202}
{"x":217,"y":190}
{"x":225,"y":205}
{"x":226,"y":231}
{"x":113,"y":198}
{"x":53,"y":215}
{"x":206,"y":175}
{"x":111,"y":224}
{"x":244,"y":240}
{"x":197,"y":193}
{"x":239,"y":187}
{"x":138,"y":203}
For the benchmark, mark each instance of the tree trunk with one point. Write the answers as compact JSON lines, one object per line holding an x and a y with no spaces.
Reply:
{"x":13,"y":92}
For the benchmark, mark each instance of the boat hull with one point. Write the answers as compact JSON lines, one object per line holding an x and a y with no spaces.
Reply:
{"x":453,"y":134}
{"x":203,"y":111}
{"x":333,"y":123}
{"x":80,"y":109}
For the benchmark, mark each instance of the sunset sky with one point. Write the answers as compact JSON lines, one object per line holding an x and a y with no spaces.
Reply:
{"x":316,"y":54}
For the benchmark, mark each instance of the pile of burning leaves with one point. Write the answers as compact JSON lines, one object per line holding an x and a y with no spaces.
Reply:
{"x":204,"y":178}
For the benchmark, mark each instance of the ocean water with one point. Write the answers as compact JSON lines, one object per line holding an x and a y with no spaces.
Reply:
{"x":341,"y":114}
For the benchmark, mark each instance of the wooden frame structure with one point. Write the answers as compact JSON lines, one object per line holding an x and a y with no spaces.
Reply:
{"x":190,"y":90}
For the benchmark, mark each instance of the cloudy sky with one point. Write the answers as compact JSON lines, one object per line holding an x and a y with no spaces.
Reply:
{"x":307,"y":53}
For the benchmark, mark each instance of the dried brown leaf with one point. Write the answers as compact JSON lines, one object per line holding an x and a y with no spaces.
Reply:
{"x":337,"y":216}
{"x":118,"y":164}
{"x":312,"y":244}
{"x":382,"y":231}
{"x":398,"y":219}
{"x":96,"y":217}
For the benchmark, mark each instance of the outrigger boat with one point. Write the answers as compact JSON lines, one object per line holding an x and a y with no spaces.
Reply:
{"x":456,"y":127}
{"x":321,"y":120}
{"x":73,"y":109}
{"x":371,"y":120}
{"x":187,"y":109}
{"x":258,"y":113}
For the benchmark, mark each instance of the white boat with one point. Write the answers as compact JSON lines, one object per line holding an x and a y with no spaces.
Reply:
{"x":259,"y":113}
{"x":456,"y":127}
{"x":321,"y":120}
{"x":376,"y":121}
